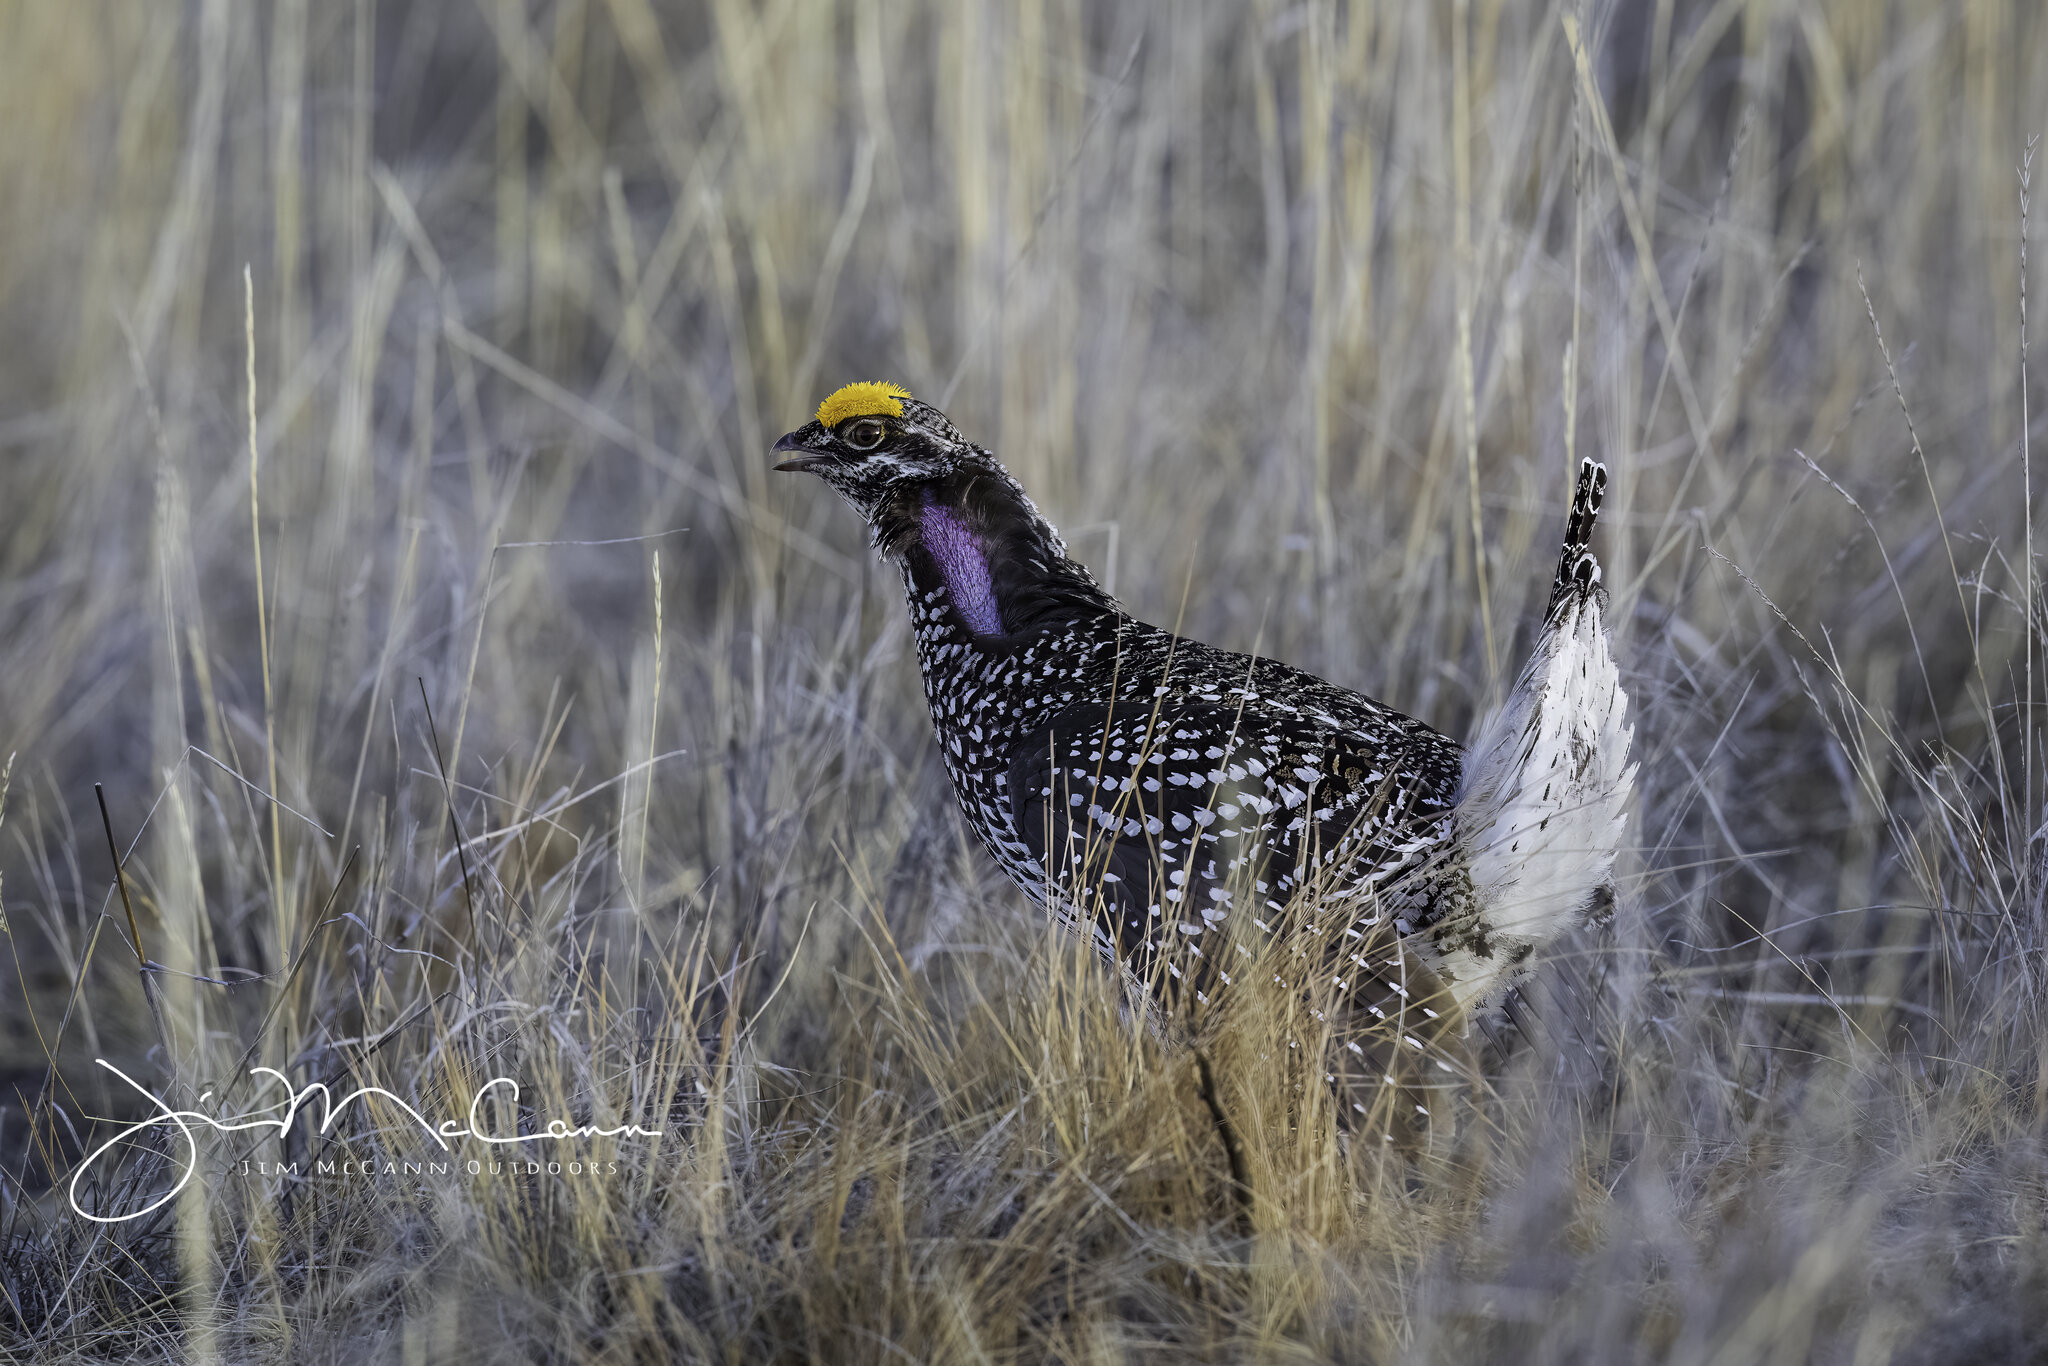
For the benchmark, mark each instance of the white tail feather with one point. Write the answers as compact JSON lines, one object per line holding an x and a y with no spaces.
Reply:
{"x":1542,"y":807}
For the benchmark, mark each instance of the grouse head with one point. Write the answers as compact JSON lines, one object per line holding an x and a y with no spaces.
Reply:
{"x":945,"y":508}
{"x":876,"y":445}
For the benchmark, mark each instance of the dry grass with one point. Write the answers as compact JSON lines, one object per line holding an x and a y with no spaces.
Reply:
{"x":1247,"y":295}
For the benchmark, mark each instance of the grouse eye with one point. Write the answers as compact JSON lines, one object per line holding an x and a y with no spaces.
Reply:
{"x":863,"y":435}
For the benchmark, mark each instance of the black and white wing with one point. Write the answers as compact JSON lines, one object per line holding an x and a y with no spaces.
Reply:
{"x":1179,"y":832}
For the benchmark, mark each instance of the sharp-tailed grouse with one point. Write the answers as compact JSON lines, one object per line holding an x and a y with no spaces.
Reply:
{"x":1184,"y":805}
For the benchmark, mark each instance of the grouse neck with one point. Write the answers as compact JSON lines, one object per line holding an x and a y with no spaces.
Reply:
{"x":1005,"y":572}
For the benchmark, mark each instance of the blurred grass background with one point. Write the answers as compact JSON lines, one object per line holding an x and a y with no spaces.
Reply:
{"x":599,"y":748}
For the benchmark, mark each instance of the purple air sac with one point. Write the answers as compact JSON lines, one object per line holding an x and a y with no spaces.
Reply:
{"x":964,"y":567}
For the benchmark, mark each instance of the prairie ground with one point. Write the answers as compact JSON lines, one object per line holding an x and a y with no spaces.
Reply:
{"x":387,"y":526}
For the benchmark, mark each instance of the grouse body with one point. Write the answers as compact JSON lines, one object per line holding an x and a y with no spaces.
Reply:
{"x":1178,"y":802}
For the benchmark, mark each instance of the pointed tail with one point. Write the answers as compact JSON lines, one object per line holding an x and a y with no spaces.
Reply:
{"x":1578,"y":573}
{"x":1542,"y":805}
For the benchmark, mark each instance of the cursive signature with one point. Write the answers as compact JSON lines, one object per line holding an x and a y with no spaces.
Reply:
{"x":330,"y":1110}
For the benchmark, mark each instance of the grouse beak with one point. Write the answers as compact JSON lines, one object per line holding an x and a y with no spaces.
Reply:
{"x":807,"y":460}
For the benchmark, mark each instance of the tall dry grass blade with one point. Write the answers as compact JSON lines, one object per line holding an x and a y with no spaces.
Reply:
{"x":280,"y":903}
